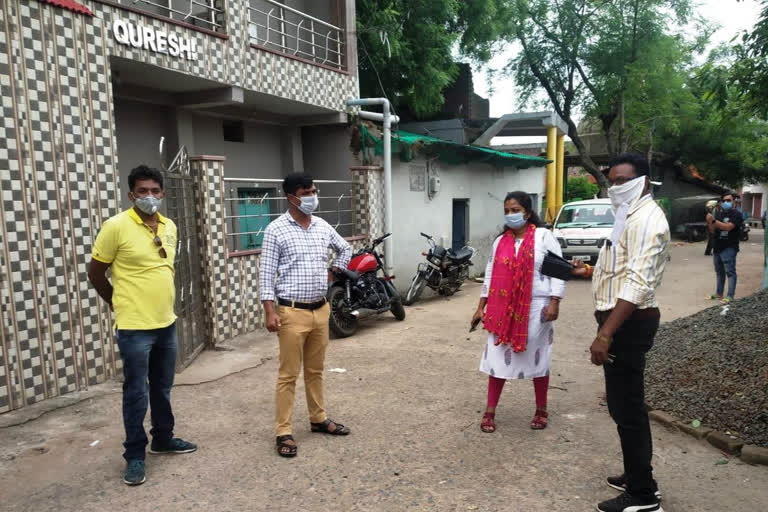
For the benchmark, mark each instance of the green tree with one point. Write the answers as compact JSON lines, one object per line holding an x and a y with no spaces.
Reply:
{"x":600,"y":58}
{"x":405,"y":46}
{"x":580,"y":188}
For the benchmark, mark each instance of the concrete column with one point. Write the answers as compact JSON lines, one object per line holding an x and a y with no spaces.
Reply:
{"x":351,"y":39}
{"x":209,"y":174}
{"x":551,"y":178}
{"x":560,"y":178}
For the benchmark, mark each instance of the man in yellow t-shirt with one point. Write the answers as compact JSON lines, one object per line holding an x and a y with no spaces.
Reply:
{"x":139,"y":245}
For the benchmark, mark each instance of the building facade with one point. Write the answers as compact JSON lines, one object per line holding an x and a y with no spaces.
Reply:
{"x":91,"y":89}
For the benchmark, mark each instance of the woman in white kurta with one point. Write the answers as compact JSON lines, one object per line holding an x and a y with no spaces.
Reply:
{"x":499,"y":360}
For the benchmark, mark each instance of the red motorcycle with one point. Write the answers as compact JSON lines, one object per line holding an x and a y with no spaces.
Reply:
{"x":360,"y":291}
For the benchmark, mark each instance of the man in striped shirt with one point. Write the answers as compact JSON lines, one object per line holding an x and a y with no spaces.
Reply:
{"x":629,"y":269}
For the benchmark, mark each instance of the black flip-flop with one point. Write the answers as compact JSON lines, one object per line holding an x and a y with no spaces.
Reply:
{"x":322,"y":428}
{"x":292,"y":449}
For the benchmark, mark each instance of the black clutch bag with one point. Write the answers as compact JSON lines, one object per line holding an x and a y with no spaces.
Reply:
{"x":556,"y":266}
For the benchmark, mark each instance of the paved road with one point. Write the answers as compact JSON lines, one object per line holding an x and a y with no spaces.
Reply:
{"x":413,"y":396}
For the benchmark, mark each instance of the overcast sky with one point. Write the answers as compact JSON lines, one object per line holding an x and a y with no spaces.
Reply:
{"x":732,"y":16}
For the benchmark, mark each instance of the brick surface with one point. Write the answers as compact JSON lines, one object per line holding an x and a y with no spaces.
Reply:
{"x":698,"y":433}
{"x":752,"y":454}
{"x":724,"y":442}
{"x":663,"y":418}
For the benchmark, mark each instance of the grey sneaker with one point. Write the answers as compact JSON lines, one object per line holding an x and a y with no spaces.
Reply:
{"x":176,"y":445}
{"x":134,"y":472}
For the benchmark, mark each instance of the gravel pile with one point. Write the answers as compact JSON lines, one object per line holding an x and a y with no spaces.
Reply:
{"x":714,"y":367}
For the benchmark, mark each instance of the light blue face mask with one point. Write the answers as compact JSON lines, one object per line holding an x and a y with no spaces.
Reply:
{"x":727,"y":205}
{"x":514,"y":220}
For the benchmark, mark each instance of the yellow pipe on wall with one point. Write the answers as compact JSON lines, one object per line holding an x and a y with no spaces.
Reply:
{"x":559,"y":170}
{"x":551,"y":178}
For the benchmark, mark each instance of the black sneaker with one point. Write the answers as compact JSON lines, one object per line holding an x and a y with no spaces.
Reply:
{"x":620,"y":484}
{"x":626,"y":502}
{"x":134,"y":472}
{"x":176,"y":445}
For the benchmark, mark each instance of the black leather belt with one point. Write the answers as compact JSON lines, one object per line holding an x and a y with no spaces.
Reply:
{"x":302,"y":305}
{"x":638,"y":314}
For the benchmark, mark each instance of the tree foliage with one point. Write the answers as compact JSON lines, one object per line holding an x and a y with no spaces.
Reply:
{"x":405,"y":46}
{"x":580,"y":188}
{"x":601,"y":59}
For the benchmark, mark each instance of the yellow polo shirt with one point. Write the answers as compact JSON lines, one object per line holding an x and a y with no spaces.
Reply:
{"x":144,"y":292}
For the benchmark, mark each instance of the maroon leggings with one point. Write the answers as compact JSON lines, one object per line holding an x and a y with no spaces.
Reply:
{"x":540,"y":387}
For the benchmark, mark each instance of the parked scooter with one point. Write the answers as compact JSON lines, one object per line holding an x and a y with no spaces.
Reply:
{"x":444,"y":271}
{"x":359,"y":291}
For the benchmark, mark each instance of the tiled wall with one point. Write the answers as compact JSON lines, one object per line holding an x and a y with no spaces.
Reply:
{"x":58,"y":184}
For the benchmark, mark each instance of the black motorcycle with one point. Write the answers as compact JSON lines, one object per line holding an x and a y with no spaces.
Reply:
{"x":444,"y":271}
{"x":359,"y":291}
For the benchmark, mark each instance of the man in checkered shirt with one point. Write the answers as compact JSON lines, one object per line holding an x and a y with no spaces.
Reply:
{"x":294,"y":274}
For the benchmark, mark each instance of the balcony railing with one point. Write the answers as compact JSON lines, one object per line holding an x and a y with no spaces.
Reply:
{"x":287,"y":30}
{"x":251,"y":204}
{"x":207,"y":14}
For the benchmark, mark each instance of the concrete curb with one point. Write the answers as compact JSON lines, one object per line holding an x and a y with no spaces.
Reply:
{"x":749,"y":453}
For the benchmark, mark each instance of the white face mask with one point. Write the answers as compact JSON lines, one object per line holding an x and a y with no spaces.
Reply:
{"x":308,"y":204}
{"x":626,"y":193}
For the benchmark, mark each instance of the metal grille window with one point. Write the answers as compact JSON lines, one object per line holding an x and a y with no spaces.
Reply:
{"x":208,"y":14}
{"x":251,"y":204}
{"x":274,"y":25}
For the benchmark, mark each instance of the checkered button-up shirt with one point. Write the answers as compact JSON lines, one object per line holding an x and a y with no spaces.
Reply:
{"x":294,"y":261}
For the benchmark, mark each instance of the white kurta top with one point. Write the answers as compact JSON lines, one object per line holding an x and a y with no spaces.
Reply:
{"x":499,"y":360}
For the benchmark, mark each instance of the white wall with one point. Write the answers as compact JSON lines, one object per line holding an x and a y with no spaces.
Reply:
{"x":414,"y":212}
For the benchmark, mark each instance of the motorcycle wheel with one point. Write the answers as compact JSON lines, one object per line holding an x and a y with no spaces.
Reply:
{"x":341,"y":324}
{"x":398,"y":310}
{"x":745,"y":237}
{"x":417,"y":286}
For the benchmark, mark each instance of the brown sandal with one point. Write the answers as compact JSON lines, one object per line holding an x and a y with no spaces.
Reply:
{"x":539,"y":421}
{"x":322,"y":428}
{"x":284,"y":449}
{"x":488,"y":425}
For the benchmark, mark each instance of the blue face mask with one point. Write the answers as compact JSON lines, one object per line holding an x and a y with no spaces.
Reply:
{"x":727,"y":205}
{"x":514,"y":220}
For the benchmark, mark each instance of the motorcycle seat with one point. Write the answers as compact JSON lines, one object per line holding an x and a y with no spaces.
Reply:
{"x":461,"y":255}
{"x":349,"y":274}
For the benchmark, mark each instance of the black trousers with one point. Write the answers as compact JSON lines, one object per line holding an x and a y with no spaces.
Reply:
{"x":625,"y":392}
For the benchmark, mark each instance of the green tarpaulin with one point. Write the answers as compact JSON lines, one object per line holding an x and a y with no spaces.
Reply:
{"x":408,"y":144}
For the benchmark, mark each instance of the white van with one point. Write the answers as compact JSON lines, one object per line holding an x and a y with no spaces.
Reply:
{"x":582,"y":228}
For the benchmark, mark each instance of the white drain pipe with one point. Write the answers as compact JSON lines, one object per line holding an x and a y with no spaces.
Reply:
{"x":386,"y":118}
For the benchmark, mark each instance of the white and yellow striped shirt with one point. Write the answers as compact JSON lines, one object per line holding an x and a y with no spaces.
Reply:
{"x":632,"y":269}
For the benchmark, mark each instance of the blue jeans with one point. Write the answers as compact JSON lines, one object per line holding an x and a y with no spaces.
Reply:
{"x":725,"y":265}
{"x":149,"y":365}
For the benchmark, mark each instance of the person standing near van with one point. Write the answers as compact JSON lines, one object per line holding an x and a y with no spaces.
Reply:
{"x":725,"y":225}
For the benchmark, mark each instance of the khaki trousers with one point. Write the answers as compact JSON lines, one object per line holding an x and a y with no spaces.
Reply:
{"x":303,"y":339}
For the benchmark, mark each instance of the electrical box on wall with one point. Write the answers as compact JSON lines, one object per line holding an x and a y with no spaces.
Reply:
{"x":434,"y":185}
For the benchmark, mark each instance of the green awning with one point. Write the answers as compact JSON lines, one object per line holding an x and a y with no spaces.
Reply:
{"x":407,"y":145}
